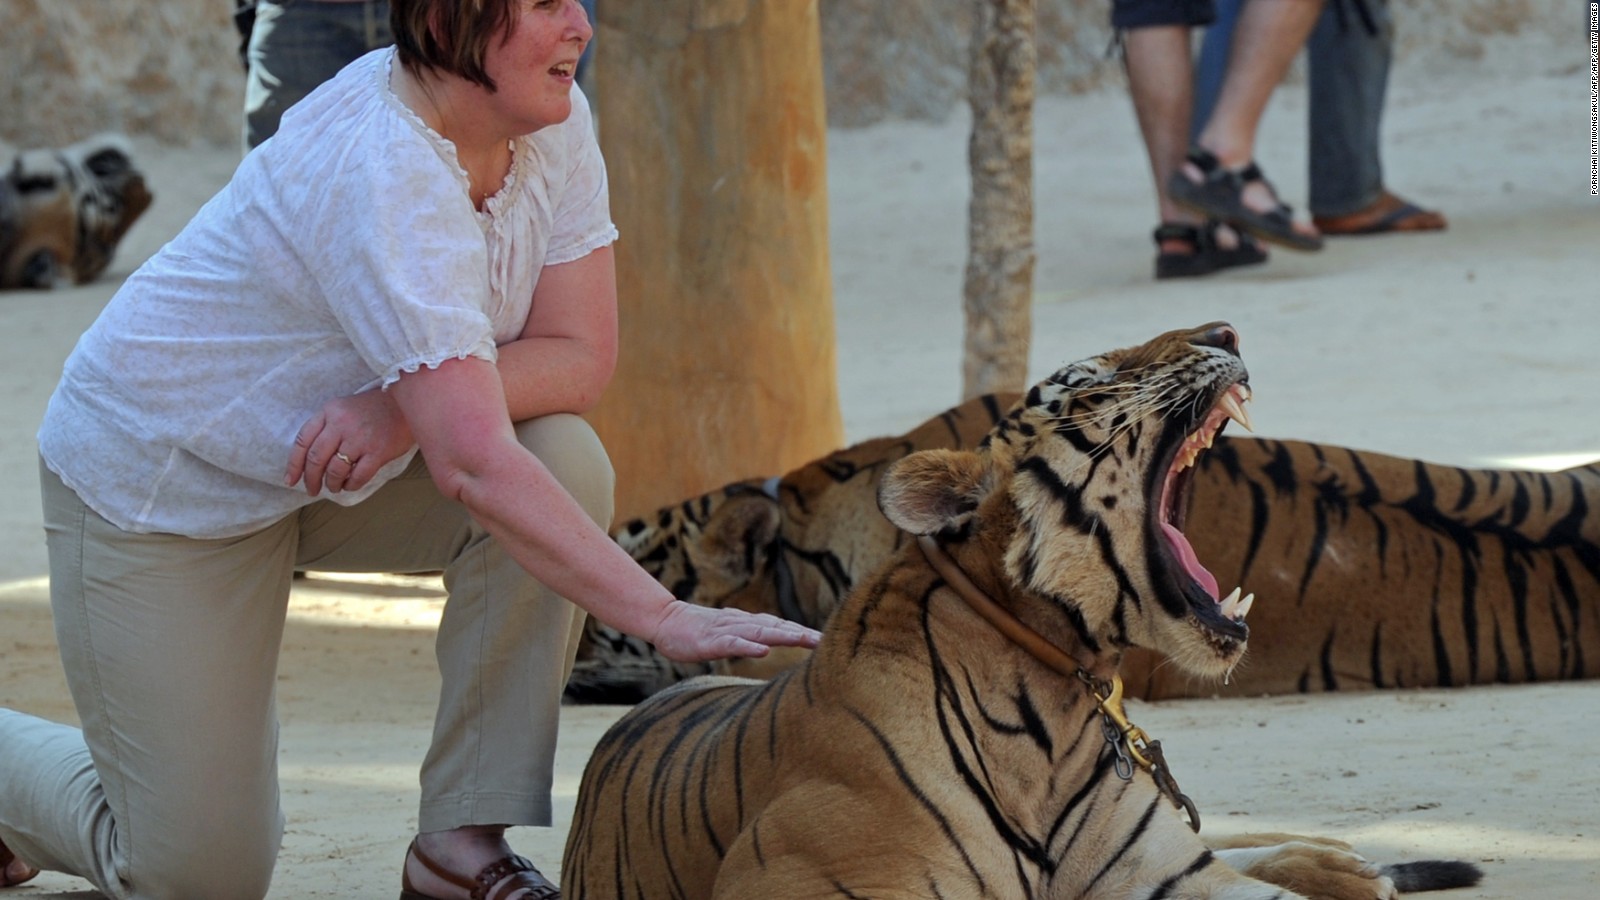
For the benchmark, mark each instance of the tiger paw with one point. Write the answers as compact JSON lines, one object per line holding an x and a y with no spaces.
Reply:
{"x":1317,"y":868}
{"x":1327,"y":869}
{"x":64,"y":211}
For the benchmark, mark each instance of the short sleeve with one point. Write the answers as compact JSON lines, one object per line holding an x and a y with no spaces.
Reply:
{"x":583,"y":202}
{"x":399,"y":256}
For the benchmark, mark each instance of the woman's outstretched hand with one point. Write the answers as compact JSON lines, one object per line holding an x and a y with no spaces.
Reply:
{"x":690,"y":633}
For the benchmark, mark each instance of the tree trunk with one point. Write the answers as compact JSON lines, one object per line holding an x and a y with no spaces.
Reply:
{"x":712,"y":122}
{"x":998,"y":290}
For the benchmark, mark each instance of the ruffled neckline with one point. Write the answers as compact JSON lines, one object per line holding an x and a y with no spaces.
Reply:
{"x":493,"y":205}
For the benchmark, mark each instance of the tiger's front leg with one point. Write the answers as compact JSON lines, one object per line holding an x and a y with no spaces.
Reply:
{"x":1319,"y":868}
{"x":827,"y":841}
{"x":812,"y":854}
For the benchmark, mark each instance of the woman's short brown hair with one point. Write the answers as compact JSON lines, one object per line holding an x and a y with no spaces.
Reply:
{"x":448,"y":35}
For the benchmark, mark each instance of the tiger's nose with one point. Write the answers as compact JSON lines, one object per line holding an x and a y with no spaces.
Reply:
{"x":1220,"y":335}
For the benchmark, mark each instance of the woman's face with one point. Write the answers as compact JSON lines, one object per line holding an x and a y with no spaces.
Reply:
{"x":533,"y":66}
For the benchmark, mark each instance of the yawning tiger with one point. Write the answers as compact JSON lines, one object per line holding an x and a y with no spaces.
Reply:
{"x":959,"y":732}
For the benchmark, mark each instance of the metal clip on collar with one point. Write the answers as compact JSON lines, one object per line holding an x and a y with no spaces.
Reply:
{"x":1130,"y":742}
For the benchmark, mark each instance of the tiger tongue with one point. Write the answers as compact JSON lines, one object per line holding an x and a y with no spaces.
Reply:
{"x":1190,"y":562}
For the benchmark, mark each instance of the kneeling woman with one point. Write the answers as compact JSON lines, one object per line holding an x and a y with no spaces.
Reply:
{"x":418,"y":261}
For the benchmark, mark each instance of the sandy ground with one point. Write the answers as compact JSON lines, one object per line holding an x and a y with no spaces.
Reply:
{"x":1475,"y":346}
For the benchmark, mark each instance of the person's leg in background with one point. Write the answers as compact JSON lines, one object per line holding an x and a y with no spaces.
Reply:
{"x":1211,"y":64}
{"x":170,"y":647}
{"x":1156,"y":52}
{"x":1266,"y":40}
{"x":1220,"y":176}
{"x":1347,"y":74}
{"x":1348,"y":56}
{"x":296,"y":45}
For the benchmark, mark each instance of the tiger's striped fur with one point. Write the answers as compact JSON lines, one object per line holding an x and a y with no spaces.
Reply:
{"x":919,"y":752}
{"x":795,"y":554}
{"x":1376,"y":571}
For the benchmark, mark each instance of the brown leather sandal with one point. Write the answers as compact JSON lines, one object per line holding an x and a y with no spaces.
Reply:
{"x":7,"y":861}
{"x":499,"y":880}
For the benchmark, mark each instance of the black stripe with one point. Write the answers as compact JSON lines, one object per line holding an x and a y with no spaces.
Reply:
{"x":1563,"y":639}
{"x":1517,"y":584}
{"x":1441,"y":651}
{"x":668,"y":765}
{"x":826,"y":565}
{"x":1032,"y":721}
{"x":1371,"y":495}
{"x":1164,"y":889}
{"x":1260,"y":516}
{"x":779,"y":687}
{"x":1520,"y":503}
{"x":1569,"y":591}
{"x":705,"y":754}
{"x":1377,"y":656}
{"x":1319,"y":539}
{"x":1280,"y":470}
{"x":1469,"y":490}
{"x":1097,"y":776}
{"x":916,"y":791}
{"x":875,"y":594}
{"x":947,"y":707}
{"x":1076,"y":514}
{"x":1469,"y":613}
{"x":1329,"y":681}
{"x":992,"y":406}
{"x":1128,"y":843}
{"x":1441,"y":647}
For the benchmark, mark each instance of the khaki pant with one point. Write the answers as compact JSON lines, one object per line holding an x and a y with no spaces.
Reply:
{"x":170,"y":644}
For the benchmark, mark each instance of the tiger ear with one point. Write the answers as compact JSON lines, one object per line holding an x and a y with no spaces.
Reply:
{"x":933,"y":491}
{"x":738,"y":529}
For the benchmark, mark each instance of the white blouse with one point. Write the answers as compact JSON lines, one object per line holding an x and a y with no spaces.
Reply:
{"x":344,"y":251}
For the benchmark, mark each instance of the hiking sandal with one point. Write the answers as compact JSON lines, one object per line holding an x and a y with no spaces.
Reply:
{"x":1208,"y":255}
{"x":1220,"y":195}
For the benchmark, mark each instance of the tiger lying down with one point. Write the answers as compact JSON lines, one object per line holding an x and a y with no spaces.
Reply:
{"x":1374,"y":571}
{"x":959,"y":731}
{"x":64,"y":211}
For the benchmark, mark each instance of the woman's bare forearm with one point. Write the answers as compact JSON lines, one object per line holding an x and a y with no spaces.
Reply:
{"x":546,"y":375}
{"x":458,"y":415}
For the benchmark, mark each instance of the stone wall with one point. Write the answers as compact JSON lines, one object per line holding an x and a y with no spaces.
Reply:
{"x":169,"y":69}
{"x":908,"y":58}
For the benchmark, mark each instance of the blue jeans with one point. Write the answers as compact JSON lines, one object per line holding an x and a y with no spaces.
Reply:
{"x":585,"y":72}
{"x":295,"y":46}
{"x":1348,"y":71}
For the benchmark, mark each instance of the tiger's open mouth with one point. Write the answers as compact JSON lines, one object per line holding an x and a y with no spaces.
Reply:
{"x":1179,"y":568}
